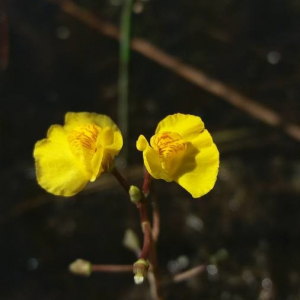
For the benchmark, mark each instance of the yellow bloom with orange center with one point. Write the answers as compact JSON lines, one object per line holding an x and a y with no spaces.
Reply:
{"x":76,"y":153}
{"x":182,"y":150}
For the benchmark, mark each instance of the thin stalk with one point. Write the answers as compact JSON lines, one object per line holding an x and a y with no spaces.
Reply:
{"x":112,"y":268}
{"x":124,"y":73}
{"x":149,"y":244}
{"x":146,"y":183}
{"x":147,"y":241}
{"x":123,"y":182}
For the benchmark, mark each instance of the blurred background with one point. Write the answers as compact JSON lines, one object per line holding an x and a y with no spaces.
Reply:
{"x":53,"y":61}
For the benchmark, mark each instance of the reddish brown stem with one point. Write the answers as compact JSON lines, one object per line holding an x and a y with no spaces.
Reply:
{"x":149,"y":245}
{"x":142,"y":207}
{"x":155,"y":269}
{"x":146,"y":183}
{"x":112,"y":268}
{"x":147,"y":241}
{"x":155,"y":213}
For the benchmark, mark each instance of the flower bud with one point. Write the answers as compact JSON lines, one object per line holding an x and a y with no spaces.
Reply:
{"x":135,"y":194}
{"x":140,"y":269}
{"x":81,"y":267}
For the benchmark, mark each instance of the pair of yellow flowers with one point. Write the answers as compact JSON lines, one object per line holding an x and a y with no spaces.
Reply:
{"x":181,"y":150}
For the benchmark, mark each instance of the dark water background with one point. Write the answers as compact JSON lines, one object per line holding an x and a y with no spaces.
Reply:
{"x":57,"y":64}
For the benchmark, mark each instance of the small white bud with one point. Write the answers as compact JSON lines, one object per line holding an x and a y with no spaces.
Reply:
{"x":138,"y":279}
{"x":140,"y":270}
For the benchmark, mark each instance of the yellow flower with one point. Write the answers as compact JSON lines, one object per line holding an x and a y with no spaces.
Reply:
{"x":76,"y":153}
{"x":182,"y":151}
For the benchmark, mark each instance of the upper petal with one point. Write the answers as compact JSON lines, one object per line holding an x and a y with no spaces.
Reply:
{"x":188,"y":126}
{"x":111,"y":140}
{"x":57,"y":169}
{"x":202,"y":140}
{"x":73,"y":119}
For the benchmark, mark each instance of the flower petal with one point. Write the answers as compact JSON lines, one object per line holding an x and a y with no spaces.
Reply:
{"x":109,"y":144}
{"x":171,"y":148}
{"x":96,"y":163}
{"x":198,"y":174}
{"x":112,"y":141}
{"x":57,"y":169}
{"x":202,"y":140}
{"x":188,"y":126}
{"x":72,"y":120}
{"x":142,"y":143}
{"x":151,"y":159}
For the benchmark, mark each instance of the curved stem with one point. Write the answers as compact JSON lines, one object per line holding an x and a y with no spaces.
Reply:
{"x":149,"y":243}
{"x":146,"y":184}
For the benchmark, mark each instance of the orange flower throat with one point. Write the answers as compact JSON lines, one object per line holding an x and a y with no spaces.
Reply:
{"x":84,"y":138}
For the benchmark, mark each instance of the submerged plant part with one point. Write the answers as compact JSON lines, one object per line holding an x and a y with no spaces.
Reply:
{"x":182,"y":150}
{"x":76,"y":153}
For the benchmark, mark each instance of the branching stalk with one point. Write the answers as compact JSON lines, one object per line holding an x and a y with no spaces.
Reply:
{"x":149,"y":244}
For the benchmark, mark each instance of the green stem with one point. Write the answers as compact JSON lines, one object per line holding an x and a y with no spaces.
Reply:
{"x":123,"y":74}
